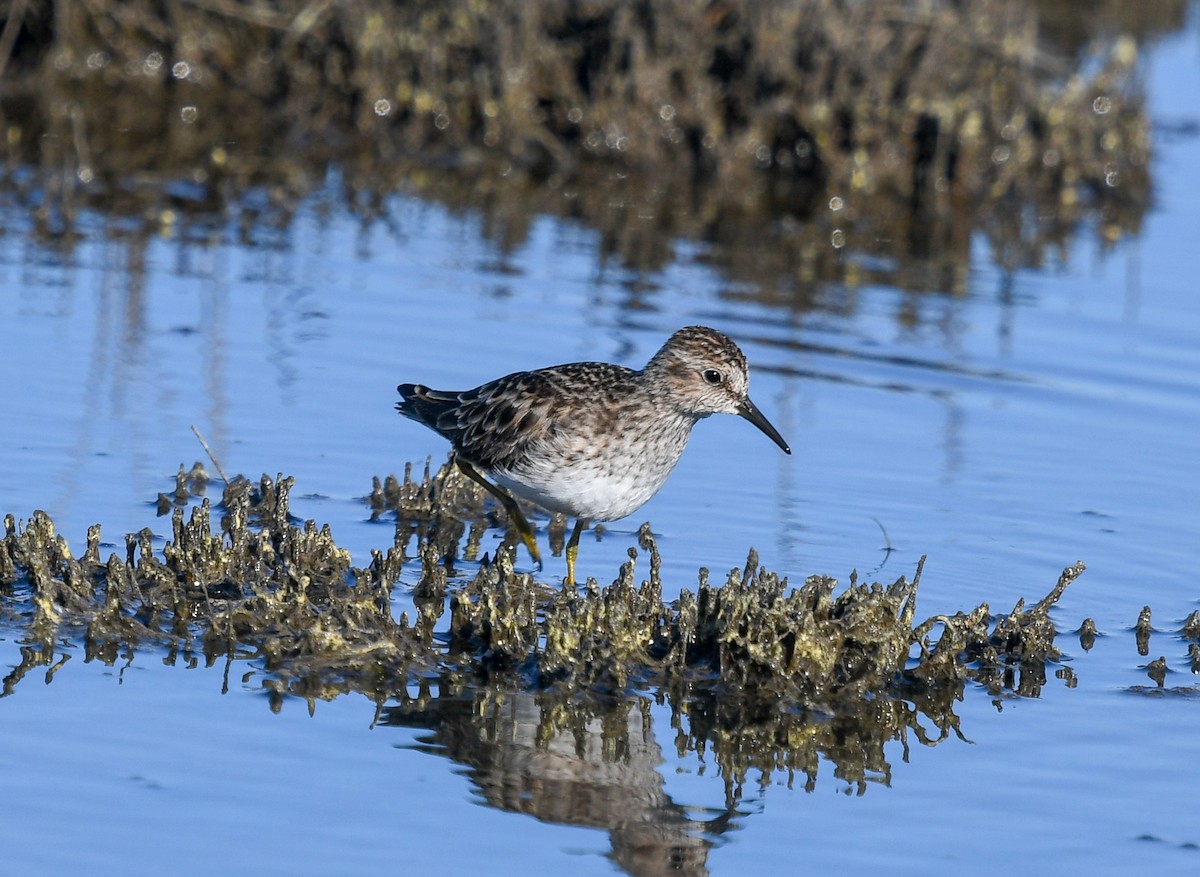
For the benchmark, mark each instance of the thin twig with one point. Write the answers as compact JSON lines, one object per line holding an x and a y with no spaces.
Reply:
{"x":211,"y":456}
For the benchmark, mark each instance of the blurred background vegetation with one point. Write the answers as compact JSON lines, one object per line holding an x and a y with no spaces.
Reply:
{"x":784,"y":135}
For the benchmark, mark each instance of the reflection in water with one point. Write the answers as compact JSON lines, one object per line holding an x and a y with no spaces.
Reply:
{"x":590,"y":763}
{"x":593,"y":772}
{"x":576,"y":760}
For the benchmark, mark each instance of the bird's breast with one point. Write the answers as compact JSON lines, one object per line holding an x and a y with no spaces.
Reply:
{"x":601,"y":479}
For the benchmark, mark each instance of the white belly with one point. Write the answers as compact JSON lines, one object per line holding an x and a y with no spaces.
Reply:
{"x":591,"y":495}
{"x":599,"y":480}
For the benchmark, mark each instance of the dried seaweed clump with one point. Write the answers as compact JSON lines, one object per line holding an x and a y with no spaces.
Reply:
{"x":262,"y":586}
{"x":749,"y":639}
{"x":258,"y":586}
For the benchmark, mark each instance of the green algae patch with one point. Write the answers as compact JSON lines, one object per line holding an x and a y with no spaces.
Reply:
{"x":243,"y":580}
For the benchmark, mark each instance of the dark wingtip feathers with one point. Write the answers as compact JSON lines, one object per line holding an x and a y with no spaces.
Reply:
{"x":408,"y":392}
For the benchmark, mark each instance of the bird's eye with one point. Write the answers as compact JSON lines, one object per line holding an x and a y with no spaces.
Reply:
{"x":712,"y":376}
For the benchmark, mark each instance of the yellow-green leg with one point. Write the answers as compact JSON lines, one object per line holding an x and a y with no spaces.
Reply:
{"x":510,"y":506}
{"x":573,"y":550}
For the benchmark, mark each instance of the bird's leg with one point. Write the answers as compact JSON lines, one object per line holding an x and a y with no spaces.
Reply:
{"x":510,"y":506}
{"x":573,"y":550}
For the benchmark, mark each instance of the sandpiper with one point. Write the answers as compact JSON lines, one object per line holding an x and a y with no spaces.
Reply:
{"x":589,"y":439}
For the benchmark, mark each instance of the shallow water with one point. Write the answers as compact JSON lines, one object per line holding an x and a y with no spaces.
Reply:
{"x":1044,"y":416}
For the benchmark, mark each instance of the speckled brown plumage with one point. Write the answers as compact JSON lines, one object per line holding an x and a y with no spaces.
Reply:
{"x":494,"y":424}
{"x":591,"y":439}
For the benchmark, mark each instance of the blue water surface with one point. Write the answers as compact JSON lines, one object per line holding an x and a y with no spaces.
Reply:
{"x":1045,"y":416}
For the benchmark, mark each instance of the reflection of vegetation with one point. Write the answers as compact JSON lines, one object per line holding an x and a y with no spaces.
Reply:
{"x":780,"y":131}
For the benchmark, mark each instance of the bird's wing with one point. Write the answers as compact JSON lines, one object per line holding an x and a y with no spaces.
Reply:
{"x":491,"y":425}
{"x":494,"y":424}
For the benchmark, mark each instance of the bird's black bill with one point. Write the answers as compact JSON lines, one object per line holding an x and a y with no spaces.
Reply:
{"x":750,"y":411}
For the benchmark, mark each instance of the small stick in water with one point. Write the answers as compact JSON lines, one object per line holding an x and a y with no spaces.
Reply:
{"x":211,"y":456}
